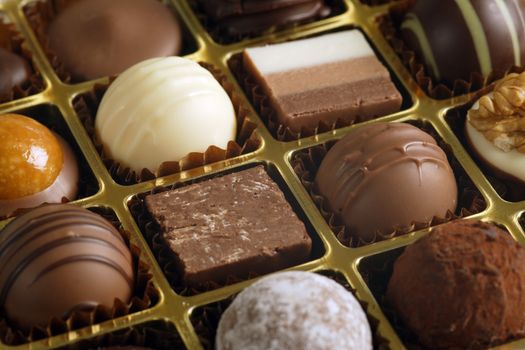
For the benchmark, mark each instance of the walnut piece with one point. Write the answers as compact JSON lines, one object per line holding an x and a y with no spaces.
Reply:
{"x":500,"y":116}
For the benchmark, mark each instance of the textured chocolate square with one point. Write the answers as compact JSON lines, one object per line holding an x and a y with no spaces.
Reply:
{"x":230,"y":226}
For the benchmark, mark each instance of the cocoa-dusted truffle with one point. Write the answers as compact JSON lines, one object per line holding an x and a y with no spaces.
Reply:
{"x":386,"y":176}
{"x":457,"y":38}
{"x":461,"y":286}
{"x":96,"y":38}
{"x":36,"y":165}
{"x":294,"y":310}
{"x":14,"y":71}
{"x":229,"y":226}
{"x":58,"y":259}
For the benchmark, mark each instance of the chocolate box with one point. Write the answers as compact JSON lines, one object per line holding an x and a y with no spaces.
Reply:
{"x":188,"y":314}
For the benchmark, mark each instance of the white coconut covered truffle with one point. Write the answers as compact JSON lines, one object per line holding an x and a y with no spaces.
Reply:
{"x":160,"y":110}
{"x":294,"y":310}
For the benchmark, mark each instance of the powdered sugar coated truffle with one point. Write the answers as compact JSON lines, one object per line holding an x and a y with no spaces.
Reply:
{"x":294,"y":310}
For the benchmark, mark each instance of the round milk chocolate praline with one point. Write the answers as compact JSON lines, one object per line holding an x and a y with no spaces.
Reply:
{"x":36,"y":165}
{"x":460,"y":287}
{"x":294,"y":310}
{"x":386,"y":176}
{"x":162,"y":109}
{"x":14,"y":71}
{"x":57,"y":259}
{"x":96,"y":38}
{"x":457,"y":38}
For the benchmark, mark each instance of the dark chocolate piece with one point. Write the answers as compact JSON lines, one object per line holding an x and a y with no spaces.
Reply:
{"x":96,"y":38}
{"x":460,"y":287}
{"x":386,"y":176}
{"x":457,"y":38}
{"x":230,"y":226}
{"x":58,"y":259}
{"x":253,"y":17}
{"x":14,"y":71}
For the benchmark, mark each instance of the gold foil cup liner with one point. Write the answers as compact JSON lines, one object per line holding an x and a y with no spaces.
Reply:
{"x":306,"y":164}
{"x":246,"y":141}
{"x":389,"y":26}
{"x":50,"y":116}
{"x":376,"y":271}
{"x":144,"y":296}
{"x":168,"y":260}
{"x":507,"y":186}
{"x":158,"y":335}
{"x":206,"y":319}
{"x":221,"y":35}
{"x":13,"y":41}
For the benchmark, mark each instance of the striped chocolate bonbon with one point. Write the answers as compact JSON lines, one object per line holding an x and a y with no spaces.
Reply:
{"x":57,"y":259}
{"x":458,"y":37}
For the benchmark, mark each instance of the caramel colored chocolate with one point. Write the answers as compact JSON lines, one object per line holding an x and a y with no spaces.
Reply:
{"x":230,"y":226}
{"x":323,"y":79}
{"x":58,"y":259}
{"x":383,"y":177}
{"x":96,"y":38}
{"x":14,"y":71}
{"x":36,"y":165}
{"x":242,"y":17}
{"x":460,"y":287}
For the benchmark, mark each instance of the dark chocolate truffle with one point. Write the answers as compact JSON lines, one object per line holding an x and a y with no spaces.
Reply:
{"x":96,"y":38}
{"x":58,"y":259}
{"x":14,"y":71}
{"x":383,"y":177}
{"x":36,"y":165}
{"x":294,"y":310}
{"x":244,"y":17}
{"x":457,"y":38}
{"x":230,"y":226}
{"x":461,"y":286}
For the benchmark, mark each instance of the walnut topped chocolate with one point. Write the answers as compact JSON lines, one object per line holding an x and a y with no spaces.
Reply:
{"x":495,"y":129}
{"x":500,"y":116}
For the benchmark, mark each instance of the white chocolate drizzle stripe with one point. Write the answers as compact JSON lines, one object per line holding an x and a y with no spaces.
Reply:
{"x":413,"y":24}
{"x":478,"y":35}
{"x":503,"y":7}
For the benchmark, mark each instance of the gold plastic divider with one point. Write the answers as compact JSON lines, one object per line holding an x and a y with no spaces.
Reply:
{"x":177,"y":309}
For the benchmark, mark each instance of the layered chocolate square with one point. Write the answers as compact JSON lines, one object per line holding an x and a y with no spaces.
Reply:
{"x":230,"y":226}
{"x":331,"y":77}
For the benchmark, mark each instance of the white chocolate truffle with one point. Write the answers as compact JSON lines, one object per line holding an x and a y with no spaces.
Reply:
{"x":294,"y":310}
{"x":160,"y":110}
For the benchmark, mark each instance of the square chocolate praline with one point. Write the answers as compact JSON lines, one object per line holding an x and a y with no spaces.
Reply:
{"x":315,"y":84}
{"x":230,"y":226}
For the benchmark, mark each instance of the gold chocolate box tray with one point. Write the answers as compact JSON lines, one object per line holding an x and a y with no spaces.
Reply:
{"x":190,"y":317}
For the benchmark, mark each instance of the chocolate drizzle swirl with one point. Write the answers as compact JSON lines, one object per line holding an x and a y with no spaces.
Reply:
{"x":393,"y":169}
{"x":68,"y":243}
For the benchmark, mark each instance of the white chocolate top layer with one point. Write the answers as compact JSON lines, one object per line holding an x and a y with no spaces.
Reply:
{"x":512,"y":163}
{"x":162,"y":109}
{"x":293,"y":55}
